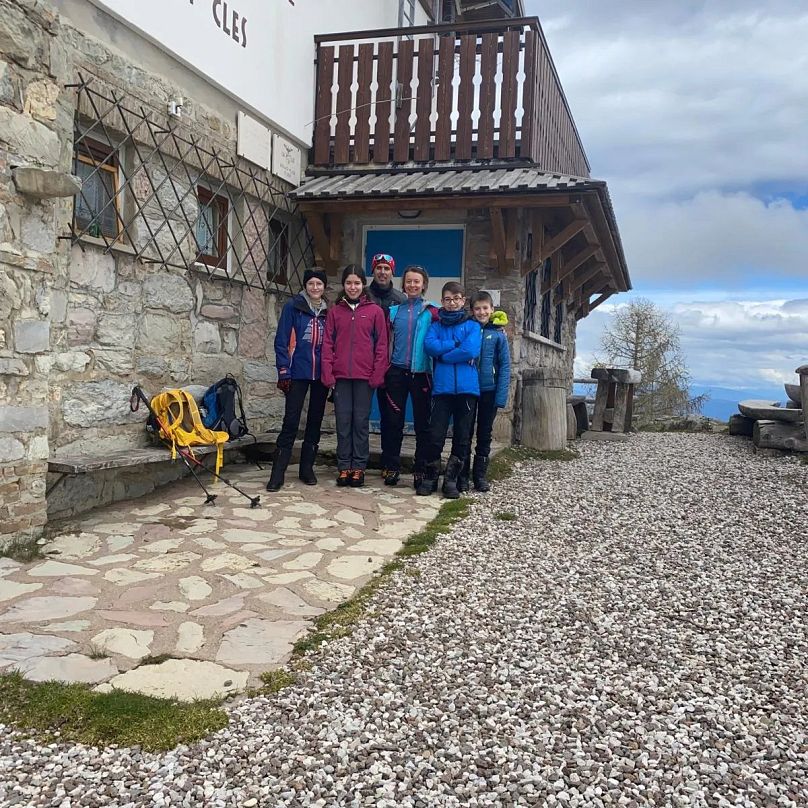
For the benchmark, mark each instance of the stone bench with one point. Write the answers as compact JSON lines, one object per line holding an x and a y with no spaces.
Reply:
{"x":69,"y":463}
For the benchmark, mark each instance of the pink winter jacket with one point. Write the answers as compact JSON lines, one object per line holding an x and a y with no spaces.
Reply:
{"x":355,"y":345}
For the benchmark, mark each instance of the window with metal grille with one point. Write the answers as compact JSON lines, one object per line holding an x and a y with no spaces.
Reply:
{"x":278,"y":263}
{"x":96,"y":211}
{"x":180,"y":198}
{"x":211,"y":228}
{"x":532,"y":282}
{"x":545,"y":300}
{"x":558,"y":323}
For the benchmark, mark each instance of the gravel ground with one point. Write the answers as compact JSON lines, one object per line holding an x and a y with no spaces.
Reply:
{"x":636,"y":636}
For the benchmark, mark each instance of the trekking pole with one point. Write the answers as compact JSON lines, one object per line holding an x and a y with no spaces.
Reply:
{"x":134,"y":405}
{"x":139,"y":395}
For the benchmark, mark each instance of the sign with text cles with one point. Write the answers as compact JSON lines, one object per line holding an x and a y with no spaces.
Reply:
{"x":242,"y":46}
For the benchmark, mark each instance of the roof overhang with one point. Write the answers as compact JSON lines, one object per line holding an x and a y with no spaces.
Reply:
{"x":577,"y":216}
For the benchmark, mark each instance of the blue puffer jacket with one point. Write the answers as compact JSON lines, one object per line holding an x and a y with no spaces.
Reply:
{"x":299,"y":340}
{"x":495,"y":363}
{"x":454,"y":343}
{"x":419,"y":361}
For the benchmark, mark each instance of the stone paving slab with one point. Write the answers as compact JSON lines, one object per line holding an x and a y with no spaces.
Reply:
{"x":224,"y":590}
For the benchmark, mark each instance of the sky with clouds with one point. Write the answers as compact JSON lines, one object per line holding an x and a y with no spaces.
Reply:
{"x":696,"y":113}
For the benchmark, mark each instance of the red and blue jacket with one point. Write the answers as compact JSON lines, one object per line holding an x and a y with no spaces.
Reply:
{"x":299,"y":340}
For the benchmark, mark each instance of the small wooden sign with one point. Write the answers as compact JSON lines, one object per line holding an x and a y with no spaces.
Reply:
{"x":287,"y":160}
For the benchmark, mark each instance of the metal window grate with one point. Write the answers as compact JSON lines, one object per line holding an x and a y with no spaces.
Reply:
{"x":545,"y":300}
{"x":531,"y":300}
{"x":175,"y":202}
{"x":558,"y":326}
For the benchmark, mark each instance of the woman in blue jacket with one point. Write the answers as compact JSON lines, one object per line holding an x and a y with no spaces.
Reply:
{"x":409,"y":375}
{"x":298,"y":342}
{"x":453,"y":342}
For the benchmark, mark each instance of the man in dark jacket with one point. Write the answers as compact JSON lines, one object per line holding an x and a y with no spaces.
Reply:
{"x":381,"y":291}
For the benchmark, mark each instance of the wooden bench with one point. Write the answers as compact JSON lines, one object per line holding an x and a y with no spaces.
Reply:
{"x":614,"y":399}
{"x":67,"y":463}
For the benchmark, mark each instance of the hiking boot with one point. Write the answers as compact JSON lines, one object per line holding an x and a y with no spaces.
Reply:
{"x":344,"y":477}
{"x":308,"y":452}
{"x":429,"y":481}
{"x":279,"y":464}
{"x":454,"y":465}
{"x":479,"y":472}
{"x":463,"y":477}
{"x":357,"y":478}
{"x":391,"y":477}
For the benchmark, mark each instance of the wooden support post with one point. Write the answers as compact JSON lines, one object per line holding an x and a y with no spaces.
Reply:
{"x":802,"y":370}
{"x":322,"y":241}
{"x":601,"y":397}
{"x":335,"y":236}
{"x":510,"y":237}
{"x":498,"y":239}
{"x":620,"y":408}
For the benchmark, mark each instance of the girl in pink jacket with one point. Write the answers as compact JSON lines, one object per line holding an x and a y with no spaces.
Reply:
{"x":354,"y":361}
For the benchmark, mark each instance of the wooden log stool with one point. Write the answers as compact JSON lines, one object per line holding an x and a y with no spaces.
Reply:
{"x":614,"y":400}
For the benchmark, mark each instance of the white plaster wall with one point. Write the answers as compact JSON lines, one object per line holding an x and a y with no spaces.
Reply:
{"x":272,"y":77}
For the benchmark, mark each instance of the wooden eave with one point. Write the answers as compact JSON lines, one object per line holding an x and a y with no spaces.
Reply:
{"x":570,"y":226}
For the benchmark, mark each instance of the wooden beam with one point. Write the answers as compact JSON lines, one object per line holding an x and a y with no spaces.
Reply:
{"x":511,"y":216}
{"x":560,"y":239}
{"x":598,"y":300}
{"x":579,"y":259}
{"x":598,"y":284}
{"x":335,"y":236}
{"x":370,"y":204}
{"x":584,"y":278}
{"x":498,"y":239}
{"x":323,"y":241}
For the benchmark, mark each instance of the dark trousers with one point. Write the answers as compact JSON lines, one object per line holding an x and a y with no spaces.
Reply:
{"x":398,"y":385}
{"x":486,"y":413}
{"x":295,"y":399}
{"x":461,"y":410}
{"x":352,"y":399}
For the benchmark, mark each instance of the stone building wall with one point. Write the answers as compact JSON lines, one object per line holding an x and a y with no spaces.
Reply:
{"x":80,"y":324}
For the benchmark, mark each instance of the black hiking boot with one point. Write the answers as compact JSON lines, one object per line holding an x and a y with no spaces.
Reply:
{"x":454,"y":465}
{"x":463,"y":477}
{"x":479,"y":472}
{"x":308,"y":453}
{"x":392,"y":476}
{"x":429,"y":481}
{"x":279,"y":464}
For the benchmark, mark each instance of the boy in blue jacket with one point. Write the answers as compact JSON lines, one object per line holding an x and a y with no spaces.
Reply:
{"x":494,"y":367}
{"x":453,"y":342}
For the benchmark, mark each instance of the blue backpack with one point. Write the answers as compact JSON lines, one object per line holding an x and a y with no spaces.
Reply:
{"x":219,"y":404}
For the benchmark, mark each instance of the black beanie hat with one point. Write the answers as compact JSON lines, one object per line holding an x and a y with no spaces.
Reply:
{"x":315,"y":272}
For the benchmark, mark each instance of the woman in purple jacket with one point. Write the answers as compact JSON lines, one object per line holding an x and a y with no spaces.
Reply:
{"x":354,"y":362}
{"x":298,"y":343}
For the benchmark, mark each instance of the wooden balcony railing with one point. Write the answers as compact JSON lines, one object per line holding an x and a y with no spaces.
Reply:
{"x":443,"y":93}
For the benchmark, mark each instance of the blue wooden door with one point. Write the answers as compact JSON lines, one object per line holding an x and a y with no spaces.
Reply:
{"x":438,"y":249}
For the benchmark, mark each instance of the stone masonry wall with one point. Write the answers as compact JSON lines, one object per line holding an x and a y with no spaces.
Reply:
{"x":29,"y":135}
{"x":77,"y":326}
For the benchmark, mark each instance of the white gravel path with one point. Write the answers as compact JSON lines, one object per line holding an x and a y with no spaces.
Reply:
{"x":637,"y":636}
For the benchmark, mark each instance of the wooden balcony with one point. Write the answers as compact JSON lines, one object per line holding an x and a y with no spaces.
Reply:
{"x":457,"y":93}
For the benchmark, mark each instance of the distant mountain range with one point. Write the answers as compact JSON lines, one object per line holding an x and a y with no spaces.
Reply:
{"x":723,"y":401}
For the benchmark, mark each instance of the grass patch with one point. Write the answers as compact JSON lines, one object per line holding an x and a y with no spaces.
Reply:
{"x":502,"y":464}
{"x":275,"y":681}
{"x":22,"y":550}
{"x":505,"y":516}
{"x":74,"y":713}
{"x":340,"y":621}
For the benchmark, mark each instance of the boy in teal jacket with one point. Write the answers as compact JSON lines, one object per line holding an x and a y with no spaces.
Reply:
{"x":494,"y":368}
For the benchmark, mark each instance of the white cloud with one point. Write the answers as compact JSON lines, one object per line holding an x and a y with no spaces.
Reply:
{"x":741,"y":343}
